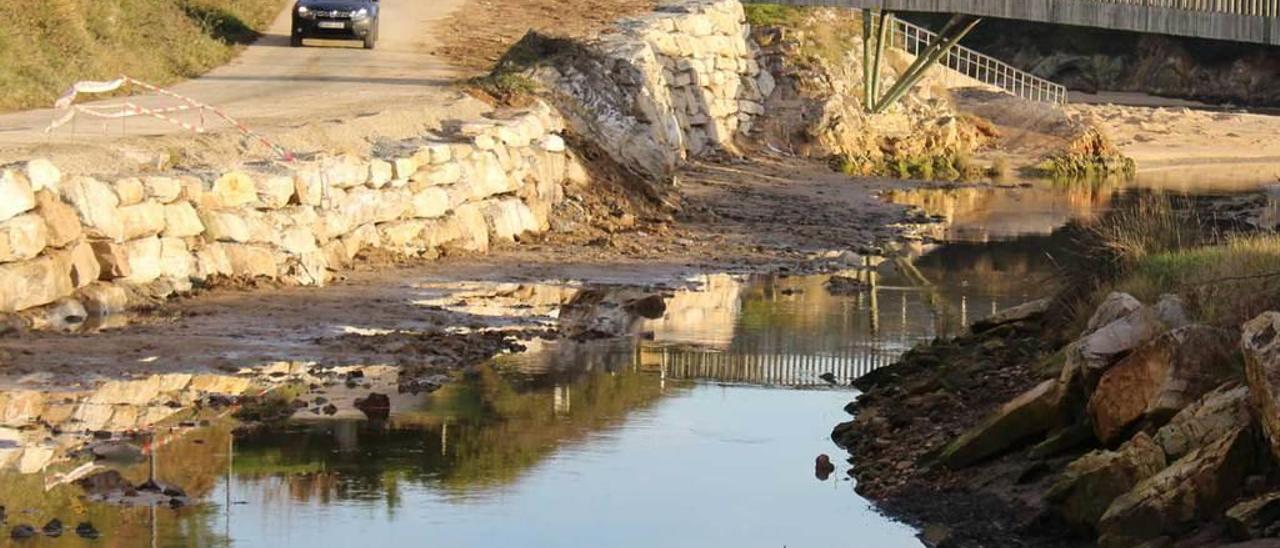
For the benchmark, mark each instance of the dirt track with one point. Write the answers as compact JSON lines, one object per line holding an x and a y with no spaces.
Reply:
{"x":275,"y":88}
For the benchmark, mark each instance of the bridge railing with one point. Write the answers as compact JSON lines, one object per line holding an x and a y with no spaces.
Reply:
{"x":983,"y":68}
{"x":1262,"y":8}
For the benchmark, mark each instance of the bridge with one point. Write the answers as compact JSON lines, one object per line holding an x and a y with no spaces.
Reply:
{"x":1249,"y":21}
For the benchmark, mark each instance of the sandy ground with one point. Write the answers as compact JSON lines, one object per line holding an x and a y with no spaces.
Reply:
{"x":330,"y":94}
{"x":1166,"y":136}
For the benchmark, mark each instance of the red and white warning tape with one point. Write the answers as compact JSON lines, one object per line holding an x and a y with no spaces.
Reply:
{"x":129,"y":109}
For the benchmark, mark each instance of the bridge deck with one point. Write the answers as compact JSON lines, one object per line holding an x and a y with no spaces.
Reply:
{"x":1253,"y":21}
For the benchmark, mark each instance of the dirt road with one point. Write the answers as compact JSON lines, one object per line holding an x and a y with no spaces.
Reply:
{"x":272,"y":85}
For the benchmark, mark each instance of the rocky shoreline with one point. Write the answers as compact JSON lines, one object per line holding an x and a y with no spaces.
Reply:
{"x":1144,"y":429}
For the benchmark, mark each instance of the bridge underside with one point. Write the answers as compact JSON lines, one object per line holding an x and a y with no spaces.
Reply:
{"x":1252,"y":21}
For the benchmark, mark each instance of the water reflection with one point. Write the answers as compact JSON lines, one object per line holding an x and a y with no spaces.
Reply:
{"x":684,"y":434}
{"x":1038,"y":208}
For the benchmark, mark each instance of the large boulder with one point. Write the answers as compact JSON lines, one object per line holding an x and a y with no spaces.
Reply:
{"x":181,"y":221}
{"x":16,"y":196}
{"x":1160,"y":378}
{"x":142,"y":219}
{"x":1208,"y":419}
{"x":1034,"y":412}
{"x":1260,"y":342}
{"x":1084,"y":491}
{"x":22,"y":237}
{"x":61,"y":220}
{"x":1023,"y":312}
{"x":33,"y":283}
{"x":233,"y":189}
{"x":97,"y":205}
{"x":1196,"y":487}
{"x":1095,"y":352}
{"x":1255,"y":518}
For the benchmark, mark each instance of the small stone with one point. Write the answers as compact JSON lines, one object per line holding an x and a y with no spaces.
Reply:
{"x":22,"y":531}
{"x":53,"y":528}
{"x":87,"y":530}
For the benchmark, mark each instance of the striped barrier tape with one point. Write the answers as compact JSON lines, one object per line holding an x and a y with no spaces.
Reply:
{"x":129,"y":109}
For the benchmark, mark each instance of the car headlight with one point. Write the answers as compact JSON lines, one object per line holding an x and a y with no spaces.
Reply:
{"x":360,"y":13}
{"x":304,"y":12}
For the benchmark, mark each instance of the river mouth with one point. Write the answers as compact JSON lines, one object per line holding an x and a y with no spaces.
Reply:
{"x":695,"y":422}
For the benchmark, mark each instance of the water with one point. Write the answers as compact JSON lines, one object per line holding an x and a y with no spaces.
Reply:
{"x":700,"y":430}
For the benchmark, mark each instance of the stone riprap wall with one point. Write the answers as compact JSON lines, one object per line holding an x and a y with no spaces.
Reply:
{"x":72,"y":246}
{"x":666,"y":86}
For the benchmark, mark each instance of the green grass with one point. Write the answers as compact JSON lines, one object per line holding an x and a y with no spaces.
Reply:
{"x":46,"y":45}
{"x":1224,"y":285}
{"x":773,"y":15}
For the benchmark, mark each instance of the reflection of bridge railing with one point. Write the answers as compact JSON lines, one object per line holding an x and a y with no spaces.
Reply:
{"x":774,"y":369}
{"x":983,"y":68}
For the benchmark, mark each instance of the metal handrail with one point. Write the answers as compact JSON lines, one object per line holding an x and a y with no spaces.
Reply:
{"x":1262,"y":8}
{"x":983,"y":68}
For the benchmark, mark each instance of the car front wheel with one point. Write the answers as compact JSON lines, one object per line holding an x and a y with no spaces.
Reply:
{"x":295,"y":38}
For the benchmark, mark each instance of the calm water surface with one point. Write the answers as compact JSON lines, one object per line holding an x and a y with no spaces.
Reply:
{"x":701,"y":431}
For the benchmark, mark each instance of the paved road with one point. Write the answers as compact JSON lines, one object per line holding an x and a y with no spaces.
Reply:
{"x":272,"y":83}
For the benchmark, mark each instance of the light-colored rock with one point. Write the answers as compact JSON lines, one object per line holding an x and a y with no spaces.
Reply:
{"x":381,"y":172}
{"x":226,"y":225}
{"x":143,"y":256}
{"x":402,"y":236}
{"x":509,"y":218}
{"x":43,"y":175}
{"x":96,"y":204}
{"x":142,"y":219}
{"x":1034,"y":412}
{"x":103,"y":299}
{"x":163,"y":190}
{"x":212,"y":261}
{"x":130,"y":191}
{"x":65,"y":314}
{"x":59,"y":218}
{"x":181,"y":221}
{"x":252,"y":260}
{"x":1089,"y":357}
{"x":309,"y":186}
{"x":1088,"y":486}
{"x":276,"y":191}
{"x":82,"y":262}
{"x":1260,"y":343}
{"x":431,"y":202}
{"x":298,"y":240}
{"x":233,"y":189}
{"x":1117,"y":305}
{"x":33,"y":283}
{"x":1160,"y":378}
{"x":16,"y":195}
{"x":438,"y":174}
{"x":176,"y":260}
{"x":1208,"y":419}
{"x":22,"y":237}
{"x":1196,"y":487}
{"x":111,"y":258}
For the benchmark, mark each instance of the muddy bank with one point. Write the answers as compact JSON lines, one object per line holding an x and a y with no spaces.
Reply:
{"x":1125,"y":422}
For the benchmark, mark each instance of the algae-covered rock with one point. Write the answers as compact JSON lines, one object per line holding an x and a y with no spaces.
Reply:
{"x":1034,"y":412}
{"x":1084,"y":491}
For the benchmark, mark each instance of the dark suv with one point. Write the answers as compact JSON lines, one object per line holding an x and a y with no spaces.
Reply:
{"x":340,"y":19}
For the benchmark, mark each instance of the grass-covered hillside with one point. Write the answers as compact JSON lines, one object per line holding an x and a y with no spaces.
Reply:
{"x":45,"y":45}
